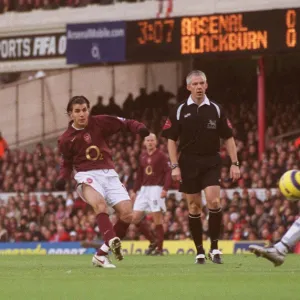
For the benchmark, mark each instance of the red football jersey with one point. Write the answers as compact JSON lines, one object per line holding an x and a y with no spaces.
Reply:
{"x":87,"y":149}
{"x":153,"y":169}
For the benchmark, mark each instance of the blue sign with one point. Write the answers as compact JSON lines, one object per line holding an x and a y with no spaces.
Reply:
{"x":241,"y":247}
{"x":93,"y":43}
{"x":44,"y":248}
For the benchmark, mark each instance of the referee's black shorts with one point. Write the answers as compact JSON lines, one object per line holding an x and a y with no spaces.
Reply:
{"x":199,"y":172}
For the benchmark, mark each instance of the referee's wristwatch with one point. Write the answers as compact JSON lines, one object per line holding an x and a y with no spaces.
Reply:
{"x":235,"y":163}
{"x":174,"y":166}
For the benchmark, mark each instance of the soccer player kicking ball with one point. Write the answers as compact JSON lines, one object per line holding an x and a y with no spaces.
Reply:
{"x":84,"y":149}
{"x":277,"y":253}
{"x":153,"y":181}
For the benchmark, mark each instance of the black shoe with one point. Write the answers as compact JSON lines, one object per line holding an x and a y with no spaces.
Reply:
{"x":215,"y":256}
{"x":200,"y":259}
{"x":116,"y":247}
{"x":151,"y":248}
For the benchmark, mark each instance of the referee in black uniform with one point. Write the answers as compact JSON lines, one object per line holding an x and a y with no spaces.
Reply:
{"x":199,"y":124}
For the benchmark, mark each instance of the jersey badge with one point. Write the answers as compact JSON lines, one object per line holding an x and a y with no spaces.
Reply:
{"x":87,"y":138}
{"x":212,"y":124}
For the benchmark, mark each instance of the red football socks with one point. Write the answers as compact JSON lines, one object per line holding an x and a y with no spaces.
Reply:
{"x":160,"y":236}
{"x":105,"y":227}
{"x":144,"y":229}
{"x":120,"y":228}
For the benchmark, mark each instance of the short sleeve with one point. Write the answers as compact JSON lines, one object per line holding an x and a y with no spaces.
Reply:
{"x":171,"y":128}
{"x":225,"y":128}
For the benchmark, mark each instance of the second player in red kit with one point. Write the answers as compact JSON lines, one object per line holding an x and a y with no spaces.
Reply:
{"x":153,"y":182}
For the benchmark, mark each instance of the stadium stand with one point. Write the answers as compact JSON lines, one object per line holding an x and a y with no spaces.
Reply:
{"x":55,"y":218}
{"x":28,"y":5}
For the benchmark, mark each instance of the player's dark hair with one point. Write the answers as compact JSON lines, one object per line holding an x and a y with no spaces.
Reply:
{"x":77,"y":100}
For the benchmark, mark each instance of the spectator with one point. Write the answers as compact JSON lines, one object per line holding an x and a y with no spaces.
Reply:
{"x":113,"y":109}
{"x":128,"y":107}
{"x":127,"y":178}
{"x":3,"y":146}
{"x":99,"y":108}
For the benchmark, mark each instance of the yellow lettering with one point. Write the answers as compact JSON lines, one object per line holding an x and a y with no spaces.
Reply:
{"x":232,"y":41}
{"x":204,"y":44}
{"x":194,"y":48}
{"x":185,"y":45}
{"x":204,"y":23}
{"x":214,"y":40}
{"x":242,"y":41}
{"x":262,"y":38}
{"x":223,"y":23}
{"x":241,"y":27}
{"x":213,"y":24}
{"x":93,"y":153}
{"x":291,"y":38}
{"x":223,"y":42}
{"x":290,"y":18}
{"x":185,"y":26}
{"x":148,"y":170}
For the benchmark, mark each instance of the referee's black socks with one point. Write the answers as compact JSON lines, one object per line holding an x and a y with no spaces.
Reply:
{"x":195,"y":224}
{"x":214,"y":226}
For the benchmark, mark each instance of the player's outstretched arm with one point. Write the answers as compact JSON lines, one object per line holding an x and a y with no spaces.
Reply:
{"x":136,"y":127}
{"x":112,"y":125}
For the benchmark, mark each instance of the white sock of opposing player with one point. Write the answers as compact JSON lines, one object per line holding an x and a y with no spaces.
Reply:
{"x":290,"y":239}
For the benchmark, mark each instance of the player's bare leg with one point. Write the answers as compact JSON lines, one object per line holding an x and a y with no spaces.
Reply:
{"x":158,"y":221}
{"x":140,"y":222}
{"x":277,"y":253}
{"x":212,"y":194}
{"x":195,"y":224}
{"x":100,"y":208}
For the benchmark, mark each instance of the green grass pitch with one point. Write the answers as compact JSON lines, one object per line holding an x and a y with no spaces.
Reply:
{"x":242,"y":277}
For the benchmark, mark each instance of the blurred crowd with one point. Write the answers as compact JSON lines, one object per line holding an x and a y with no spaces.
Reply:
{"x":23,"y":171}
{"x":29,"y":5}
{"x":24,"y":218}
{"x":58,"y":218}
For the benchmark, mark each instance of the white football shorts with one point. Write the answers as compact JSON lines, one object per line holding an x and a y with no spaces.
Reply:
{"x":148,"y":199}
{"x":105,"y":182}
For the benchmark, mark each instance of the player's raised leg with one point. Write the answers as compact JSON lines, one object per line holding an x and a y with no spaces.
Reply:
{"x":98,"y":203}
{"x":195,"y":224}
{"x":212,"y":195}
{"x":277,"y":253}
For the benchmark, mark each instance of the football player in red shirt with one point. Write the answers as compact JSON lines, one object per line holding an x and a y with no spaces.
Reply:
{"x":85,"y":151}
{"x":153,"y":182}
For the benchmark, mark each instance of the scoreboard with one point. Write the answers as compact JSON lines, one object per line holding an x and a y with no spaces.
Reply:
{"x":270,"y":31}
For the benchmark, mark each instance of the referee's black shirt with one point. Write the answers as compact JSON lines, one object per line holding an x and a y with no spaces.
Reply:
{"x":199,"y":128}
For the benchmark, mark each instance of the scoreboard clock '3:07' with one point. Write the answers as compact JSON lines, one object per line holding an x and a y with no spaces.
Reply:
{"x":249,"y":32}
